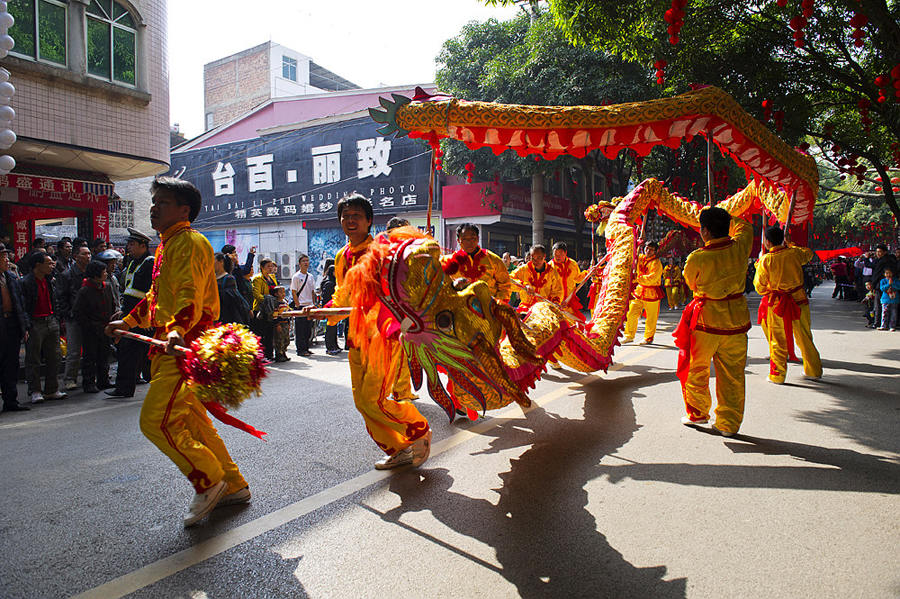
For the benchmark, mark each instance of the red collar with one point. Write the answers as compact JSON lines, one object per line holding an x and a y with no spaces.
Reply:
{"x":481,"y":253}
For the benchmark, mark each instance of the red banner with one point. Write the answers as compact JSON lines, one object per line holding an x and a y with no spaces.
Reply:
{"x":846,"y":252}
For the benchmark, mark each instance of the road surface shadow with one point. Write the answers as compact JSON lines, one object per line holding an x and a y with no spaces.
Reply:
{"x":545,"y":539}
{"x":849,"y":470}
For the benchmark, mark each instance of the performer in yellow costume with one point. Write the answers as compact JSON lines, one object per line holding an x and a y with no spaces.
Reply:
{"x":537,"y":276}
{"x":714,"y":325}
{"x":182,"y":303}
{"x":646,"y":295}
{"x":397,"y":427}
{"x":570,"y":276}
{"x":673,"y":280}
{"x":785,"y":307}
{"x":475,"y":263}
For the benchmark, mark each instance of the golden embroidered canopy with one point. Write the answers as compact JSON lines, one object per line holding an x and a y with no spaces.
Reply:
{"x":551,"y":131}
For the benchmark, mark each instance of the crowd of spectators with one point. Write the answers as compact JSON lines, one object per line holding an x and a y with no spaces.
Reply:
{"x":56,"y":300}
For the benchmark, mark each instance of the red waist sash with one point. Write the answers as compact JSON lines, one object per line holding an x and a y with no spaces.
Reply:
{"x":785,"y":306}
{"x":689,"y":323}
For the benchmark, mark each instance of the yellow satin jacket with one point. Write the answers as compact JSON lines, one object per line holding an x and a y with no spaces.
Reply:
{"x":718,"y":271}
{"x":781,"y":269}
{"x":183,"y":296}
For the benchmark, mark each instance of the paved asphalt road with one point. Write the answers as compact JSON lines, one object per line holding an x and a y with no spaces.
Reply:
{"x":596,"y":492}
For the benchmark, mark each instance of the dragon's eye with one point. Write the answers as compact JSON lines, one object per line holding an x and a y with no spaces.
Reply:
{"x":444,"y":321}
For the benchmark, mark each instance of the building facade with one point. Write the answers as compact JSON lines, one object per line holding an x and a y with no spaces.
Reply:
{"x":272,"y":179}
{"x":236,"y":84}
{"x":92,"y":107}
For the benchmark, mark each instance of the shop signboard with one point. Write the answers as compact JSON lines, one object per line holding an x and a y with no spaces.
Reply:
{"x":301,"y":174}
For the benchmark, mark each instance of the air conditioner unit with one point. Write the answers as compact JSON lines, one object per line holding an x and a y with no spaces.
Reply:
{"x":286,"y":262}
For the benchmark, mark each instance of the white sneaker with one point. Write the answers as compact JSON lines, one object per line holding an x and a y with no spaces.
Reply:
{"x":415,"y":454}
{"x":203,"y":503}
{"x":70,"y":385}
{"x":627,"y":340}
{"x":686,"y":420}
{"x":36,"y":397}
{"x":725,"y":433}
{"x":400,"y":458}
{"x":239,"y":496}
{"x":57,"y":395}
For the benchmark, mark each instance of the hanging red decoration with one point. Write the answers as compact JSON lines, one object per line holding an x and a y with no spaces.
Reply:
{"x":798,"y":23}
{"x":881,"y":82}
{"x":863,"y":107}
{"x":778,"y":117}
{"x":660,"y":66}
{"x":767,"y":110}
{"x":858,"y":21}
{"x":675,"y":18}
{"x":807,"y":8}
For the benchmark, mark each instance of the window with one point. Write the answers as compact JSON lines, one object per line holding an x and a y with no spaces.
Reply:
{"x":210,"y":120}
{"x":111,"y":41}
{"x":40,"y":29}
{"x":121,"y":213}
{"x":289,"y":68}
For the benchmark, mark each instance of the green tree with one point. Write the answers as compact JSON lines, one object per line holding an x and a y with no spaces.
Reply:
{"x":823,"y":86}
{"x":528,"y":61}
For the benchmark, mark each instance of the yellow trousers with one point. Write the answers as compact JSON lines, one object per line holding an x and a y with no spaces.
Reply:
{"x":634,"y":312}
{"x":393,"y":425}
{"x":673,"y":295}
{"x":729,"y":356}
{"x":403,"y":386}
{"x":177,"y":423}
{"x":778,"y":350}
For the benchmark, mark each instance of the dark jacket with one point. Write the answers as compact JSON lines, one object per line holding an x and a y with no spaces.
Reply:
{"x":232,"y":306}
{"x":888,"y":260}
{"x":245,"y":289}
{"x":30,"y":292}
{"x":14,"y":284}
{"x":63,"y":264}
{"x":328,"y":286}
{"x":239,"y":271}
{"x":68,"y":284}
{"x":93,"y":307}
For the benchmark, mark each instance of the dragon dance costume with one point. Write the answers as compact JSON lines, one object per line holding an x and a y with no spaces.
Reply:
{"x":482,"y":265}
{"x":546,"y":283}
{"x":393,"y":424}
{"x":645,"y":298}
{"x":570,"y":276}
{"x":714,"y":327}
{"x":784,"y":310}
{"x":673,"y":281}
{"x":184,"y":298}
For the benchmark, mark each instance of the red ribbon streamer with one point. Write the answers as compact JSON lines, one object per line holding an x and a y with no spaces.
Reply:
{"x":219,"y":411}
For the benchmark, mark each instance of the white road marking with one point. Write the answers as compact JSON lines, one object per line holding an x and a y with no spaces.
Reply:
{"x":161,"y":569}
